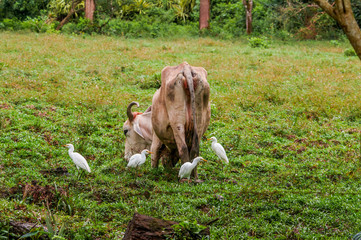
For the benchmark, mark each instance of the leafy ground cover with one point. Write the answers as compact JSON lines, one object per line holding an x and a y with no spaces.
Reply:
{"x":288,"y":116}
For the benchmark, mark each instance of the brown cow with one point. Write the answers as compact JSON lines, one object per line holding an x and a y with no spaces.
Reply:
{"x":138,"y":131}
{"x":180,"y":113}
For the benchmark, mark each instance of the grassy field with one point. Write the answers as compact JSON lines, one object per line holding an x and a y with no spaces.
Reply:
{"x":289,"y":118}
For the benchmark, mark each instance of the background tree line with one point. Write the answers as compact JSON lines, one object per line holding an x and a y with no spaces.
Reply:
{"x":301,"y":19}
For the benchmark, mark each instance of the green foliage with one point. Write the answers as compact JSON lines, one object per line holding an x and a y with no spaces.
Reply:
{"x":150,"y":18}
{"x":5,"y":230}
{"x":37,"y":24}
{"x":357,"y":236}
{"x":335,"y":43}
{"x":227,"y":18}
{"x":284,"y":35}
{"x":152,"y":81}
{"x":258,"y":42}
{"x":58,"y":8}
{"x":350,"y":52}
{"x":52,"y":225}
{"x":187,"y":230}
{"x":11,"y":24}
{"x":22,"y":9}
{"x":147,"y":28}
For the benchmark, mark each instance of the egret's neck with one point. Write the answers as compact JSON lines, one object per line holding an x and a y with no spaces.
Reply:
{"x":194,"y":163}
{"x":71,"y":150}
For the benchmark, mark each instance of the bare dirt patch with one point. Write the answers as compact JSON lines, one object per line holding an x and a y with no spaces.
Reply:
{"x":36,"y":193}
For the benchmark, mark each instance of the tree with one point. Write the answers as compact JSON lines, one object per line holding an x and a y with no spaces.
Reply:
{"x":89,"y":9}
{"x":204,"y":12}
{"x":72,"y":11}
{"x":248,"y":5}
{"x":342,"y":12}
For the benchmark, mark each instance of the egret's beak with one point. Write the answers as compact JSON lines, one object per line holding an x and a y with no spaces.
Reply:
{"x":150,"y":152}
{"x":205,"y":160}
{"x":64,"y":145}
{"x":209,"y":139}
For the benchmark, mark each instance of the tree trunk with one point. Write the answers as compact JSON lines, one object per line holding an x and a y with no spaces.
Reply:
{"x":248,"y":5}
{"x":342,"y":13}
{"x":204,"y":12}
{"x":70,"y":14}
{"x":89,"y":9}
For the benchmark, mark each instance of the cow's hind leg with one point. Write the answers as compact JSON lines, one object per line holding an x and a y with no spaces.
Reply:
{"x":156,"y":150}
{"x":176,"y":102}
{"x":179,"y":136}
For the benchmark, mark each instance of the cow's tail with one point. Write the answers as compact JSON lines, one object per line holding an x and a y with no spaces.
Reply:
{"x":195,"y":142}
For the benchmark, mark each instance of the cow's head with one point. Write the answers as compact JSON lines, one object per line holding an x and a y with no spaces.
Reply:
{"x":137,"y":130}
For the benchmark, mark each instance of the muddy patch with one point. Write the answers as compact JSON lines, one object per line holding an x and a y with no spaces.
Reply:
{"x":204,"y":208}
{"x":36,"y":193}
{"x":55,"y":171}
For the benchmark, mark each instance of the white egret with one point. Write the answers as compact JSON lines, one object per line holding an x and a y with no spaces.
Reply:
{"x":219,"y":150}
{"x":78,"y":159}
{"x":138,"y":159}
{"x":186,"y":169}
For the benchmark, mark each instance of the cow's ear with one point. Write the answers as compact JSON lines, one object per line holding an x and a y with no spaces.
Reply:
{"x":143,"y":126}
{"x":149,"y":109}
{"x":137,"y":129}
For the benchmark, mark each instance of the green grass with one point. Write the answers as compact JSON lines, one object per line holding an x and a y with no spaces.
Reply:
{"x":288,"y":116}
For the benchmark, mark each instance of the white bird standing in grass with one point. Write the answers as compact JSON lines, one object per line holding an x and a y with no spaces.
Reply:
{"x":219,"y":150}
{"x":138,"y":159}
{"x":78,"y":159}
{"x":186,"y":169}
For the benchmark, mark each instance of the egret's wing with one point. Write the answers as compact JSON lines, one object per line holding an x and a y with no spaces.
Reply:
{"x":183,"y":169}
{"x":80,"y":161}
{"x":133,"y":161}
{"x":141,"y":161}
{"x":133,"y":158}
{"x":87,"y":166}
{"x":220,"y":152}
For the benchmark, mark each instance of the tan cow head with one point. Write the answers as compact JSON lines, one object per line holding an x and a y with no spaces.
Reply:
{"x":138,"y":131}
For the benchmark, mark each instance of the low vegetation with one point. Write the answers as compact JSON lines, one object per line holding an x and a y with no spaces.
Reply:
{"x":289,"y":117}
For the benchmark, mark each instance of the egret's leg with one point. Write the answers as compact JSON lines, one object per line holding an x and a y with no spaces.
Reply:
{"x":81,"y":174}
{"x":138,"y":171}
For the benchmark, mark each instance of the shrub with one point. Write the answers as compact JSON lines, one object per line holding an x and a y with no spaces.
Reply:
{"x":151,"y":82}
{"x":335,"y":43}
{"x":284,"y":35}
{"x":258,"y":42}
{"x":12,"y":24}
{"x":37,"y":24}
{"x":146,"y":27}
{"x":350,"y":52}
